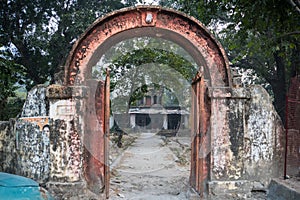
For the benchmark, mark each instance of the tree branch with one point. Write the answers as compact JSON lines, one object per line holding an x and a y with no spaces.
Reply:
{"x":290,"y":33}
{"x":259,"y":69}
{"x":295,"y":5}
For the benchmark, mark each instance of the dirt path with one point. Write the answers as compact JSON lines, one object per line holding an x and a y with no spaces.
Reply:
{"x":149,"y":170}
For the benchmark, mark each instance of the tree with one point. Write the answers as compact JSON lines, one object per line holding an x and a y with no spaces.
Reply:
{"x":259,"y":35}
{"x":41,"y":33}
{"x":21,"y":24}
{"x":268,"y":42}
{"x":38,"y":35}
{"x":11,"y":76}
{"x":141,"y":62}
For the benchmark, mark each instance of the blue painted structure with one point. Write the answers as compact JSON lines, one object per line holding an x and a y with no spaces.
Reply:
{"x":14,"y":187}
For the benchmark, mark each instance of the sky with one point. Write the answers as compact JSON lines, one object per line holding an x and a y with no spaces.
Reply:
{"x":153,"y":2}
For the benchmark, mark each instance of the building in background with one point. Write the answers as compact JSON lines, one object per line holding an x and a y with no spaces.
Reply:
{"x":153,"y":112}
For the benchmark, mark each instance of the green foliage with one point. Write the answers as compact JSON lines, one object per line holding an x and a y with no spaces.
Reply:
{"x":11,"y":108}
{"x":157,"y":66}
{"x":11,"y":77}
{"x":152,"y":55}
{"x":169,"y":99}
{"x":259,"y":35}
{"x":138,"y":94}
{"x":43,"y":32}
{"x":267,"y":41}
{"x":38,"y":36}
{"x":139,"y":63}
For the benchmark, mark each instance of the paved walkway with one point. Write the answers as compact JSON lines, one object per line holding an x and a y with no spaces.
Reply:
{"x":147,"y":170}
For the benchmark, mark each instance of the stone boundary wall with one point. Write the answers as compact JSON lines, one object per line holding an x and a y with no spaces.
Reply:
{"x":8,"y":155}
{"x":246,"y":140}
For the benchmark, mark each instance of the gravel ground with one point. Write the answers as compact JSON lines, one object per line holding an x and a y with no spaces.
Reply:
{"x":154,"y":167}
{"x":149,"y":169}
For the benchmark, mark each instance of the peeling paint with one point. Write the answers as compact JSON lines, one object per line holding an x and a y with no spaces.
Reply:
{"x":66,"y":150}
{"x":260,"y":118}
{"x":186,"y":31}
{"x":36,"y":103}
{"x":33,"y":151}
{"x":8,"y":156}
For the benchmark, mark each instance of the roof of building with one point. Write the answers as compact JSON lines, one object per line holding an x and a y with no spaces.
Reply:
{"x":158,"y":110}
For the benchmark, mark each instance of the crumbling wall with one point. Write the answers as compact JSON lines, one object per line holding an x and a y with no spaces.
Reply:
{"x":264,"y":138}
{"x":32,"y":137}
{"x":32,"y":149}
{"x":8,"y":160}
{"x":36,"y":103}
{"x":247,"y":141}
{"x":46,"y":143}
{"x":66,"y":136}
{"x":65,"y":151}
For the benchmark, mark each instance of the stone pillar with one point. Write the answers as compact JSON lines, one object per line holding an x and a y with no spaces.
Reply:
{"x":165,"y":123}
{"x":66,"y":104}
{"x":185,"y":121}
{"x":132,"y":120}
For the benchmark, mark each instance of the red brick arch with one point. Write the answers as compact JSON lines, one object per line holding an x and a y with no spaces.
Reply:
{"x":150,"y":21}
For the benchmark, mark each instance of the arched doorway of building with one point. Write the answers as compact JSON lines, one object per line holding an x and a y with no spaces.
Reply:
{"x":155,"y":22}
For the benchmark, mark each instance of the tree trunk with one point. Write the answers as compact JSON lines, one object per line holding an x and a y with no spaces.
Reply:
{"x":295,"y":66}
{"x":279,"y":87}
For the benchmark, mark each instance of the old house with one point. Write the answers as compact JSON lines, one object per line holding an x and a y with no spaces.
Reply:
{"x":152,"y":113}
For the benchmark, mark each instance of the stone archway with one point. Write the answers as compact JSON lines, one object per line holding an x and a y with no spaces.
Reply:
{"x":151,"y":21}
{"x":238,"y":134}
{"x":148,"y":21}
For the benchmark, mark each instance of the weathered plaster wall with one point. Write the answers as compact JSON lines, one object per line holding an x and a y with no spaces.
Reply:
{"x":66,"y":142}
{"x":65,"y":151}
{"x":76,"y":146}
{"x":32,"y":138}
{"x":36,"y":103}
{"x":47,"y":140}
{"x":247,"y":140}
{"x":8,"y":160}
{"x":245,"y":131}
{"x":264,"y":138}
{"x":47,"y":144}
{"x":32,"y":146}
{"x":220,"y":141}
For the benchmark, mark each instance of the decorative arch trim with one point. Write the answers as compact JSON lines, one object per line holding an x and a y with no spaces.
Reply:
{"x":151,"y":21}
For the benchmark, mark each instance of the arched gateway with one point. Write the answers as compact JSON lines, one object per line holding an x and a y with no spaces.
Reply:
{"x":236,"y":134}
{"x":152,"y":22}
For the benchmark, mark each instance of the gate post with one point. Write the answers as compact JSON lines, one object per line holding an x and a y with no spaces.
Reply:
{"x":67,"y":122}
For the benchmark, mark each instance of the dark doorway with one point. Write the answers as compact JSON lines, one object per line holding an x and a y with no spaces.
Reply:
{"x":174,"y":121}
{"x":143,"y":120}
